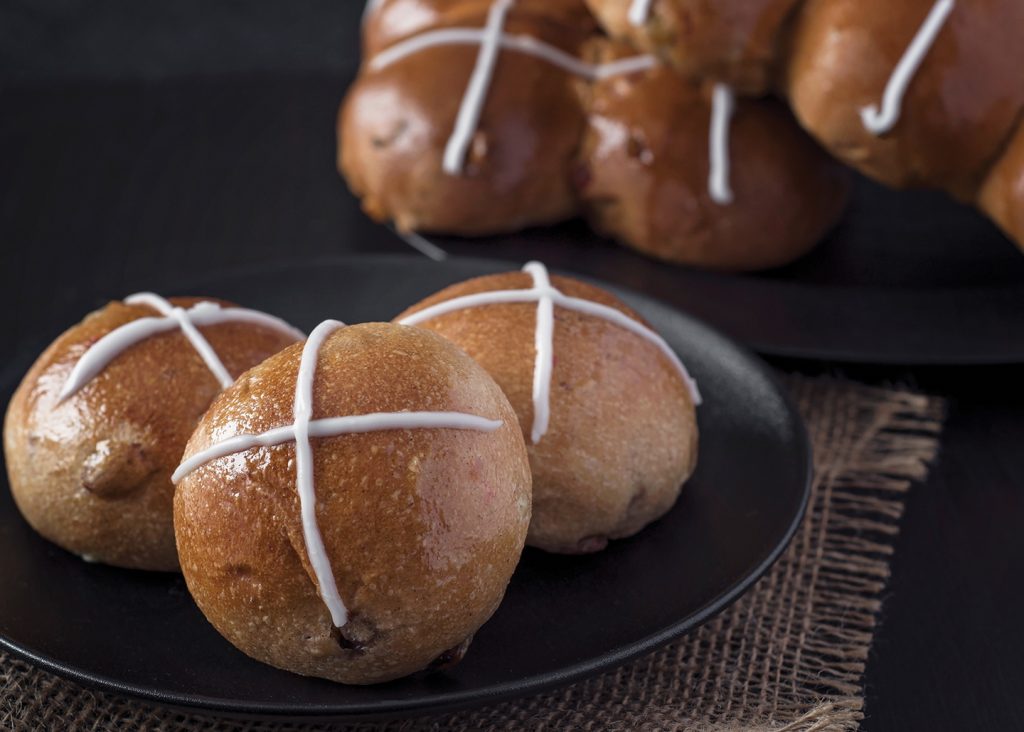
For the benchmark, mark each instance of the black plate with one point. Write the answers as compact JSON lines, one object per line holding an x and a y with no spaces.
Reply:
{"x":563,"y":618}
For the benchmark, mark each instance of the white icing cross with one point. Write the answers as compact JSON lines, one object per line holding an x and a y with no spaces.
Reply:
{"x":303,"y":428}
{"x":110,"y":346}
{"x":547,"y":297}
{"x":879,"y":121}
{"x":492,"y":39}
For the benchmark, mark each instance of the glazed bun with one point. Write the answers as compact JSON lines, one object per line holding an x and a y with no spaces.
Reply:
{"x":959,"y":108}
{"x":400,"y":114}
{"x":97,"y":426}
{"x":621,"y":433}
{"x":419,"y":529}
{"x":1002,"y":194}
{"x":731,"y":41}
{"x":644,"y":168}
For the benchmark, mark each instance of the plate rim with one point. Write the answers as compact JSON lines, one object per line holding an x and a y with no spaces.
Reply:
{"x":532,"y":685}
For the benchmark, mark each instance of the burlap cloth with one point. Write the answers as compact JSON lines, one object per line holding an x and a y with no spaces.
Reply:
{"x":788,"y":656}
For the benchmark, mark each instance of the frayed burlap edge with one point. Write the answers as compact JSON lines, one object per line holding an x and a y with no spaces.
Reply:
{"x":787,"y":657}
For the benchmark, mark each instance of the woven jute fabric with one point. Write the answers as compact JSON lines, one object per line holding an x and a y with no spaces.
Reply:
{"x":788,"y":656}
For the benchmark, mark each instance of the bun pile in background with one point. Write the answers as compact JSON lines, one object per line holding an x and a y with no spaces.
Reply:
{"x":657,"y":120}
{"x":564,"y":122}
{"x":353,"y":506}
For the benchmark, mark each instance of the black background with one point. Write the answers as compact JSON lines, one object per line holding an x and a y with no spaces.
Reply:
{"x":114,"y":174}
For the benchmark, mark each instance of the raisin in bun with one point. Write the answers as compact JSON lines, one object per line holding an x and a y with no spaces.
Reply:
{"x":414,"y":529}
{"x":644,"y":169}
{"x":612,"y":433}
{"x":961,"y":104}
{"x":398,"y":117}
{"x":100,"y":421}
{"x":731,"y":41}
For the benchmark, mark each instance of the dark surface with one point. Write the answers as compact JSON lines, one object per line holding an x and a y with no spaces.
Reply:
{"x":91,"y":200}
{"x":178,"y":168}
{"x":145,"y":39}
{"x":637,"y":594}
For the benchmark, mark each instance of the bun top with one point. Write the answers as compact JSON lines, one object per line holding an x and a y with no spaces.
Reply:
{"x":134,"y":366}
{"x":100,"y":420}
{"x":501,"y":298}
{"x":447,"y":128}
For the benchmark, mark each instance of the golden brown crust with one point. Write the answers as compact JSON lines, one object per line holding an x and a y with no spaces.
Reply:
{"x":1002,"y":194}
{"x":423,"y":527}
{"x":92,"y":474}
{"x":643,"y":176}
{"x":732,"y":41}
{"x":623,"y":434}
{"x":958,"y":111}
{"x":396,"y":121}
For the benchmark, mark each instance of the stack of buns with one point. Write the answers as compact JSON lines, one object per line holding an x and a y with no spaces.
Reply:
{"x":353,"y":505}
{"x":565,"y":122}
{"x":921,"y":93}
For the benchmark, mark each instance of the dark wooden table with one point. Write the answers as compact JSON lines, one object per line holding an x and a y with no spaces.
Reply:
{"x":115,"y":176}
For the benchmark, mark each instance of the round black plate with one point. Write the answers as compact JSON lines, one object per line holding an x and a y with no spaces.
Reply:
{"x":563,"y":617}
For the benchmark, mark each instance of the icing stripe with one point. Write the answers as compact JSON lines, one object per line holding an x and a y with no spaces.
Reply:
{"x":202,"y":346}
{"x":512,"y":42}
{"x":303,"y":413}
{"x":476,"y":92}
{"x":111,"y":345}
{"x":723,"y":104}
{"x":879,"y":121}
{"x":303,"y":428}
{"x":545,"y":295}
{"x":639,"y":11}
{"x":335,"y":427}
{"x":544,"y":342}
